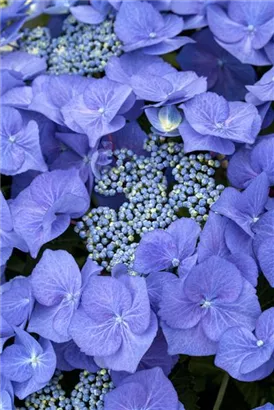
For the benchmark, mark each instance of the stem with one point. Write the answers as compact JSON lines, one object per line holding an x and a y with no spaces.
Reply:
{"x":221,"y":393}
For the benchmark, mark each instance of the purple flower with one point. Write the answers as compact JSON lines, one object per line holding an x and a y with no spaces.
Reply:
{"x":246,"y":164}
{"x":194,"y":11}
{"x":95,"y":13}
{"x":57,"y":286}
{"x":10,"y":31}
{"x":20,"y":144}
{"x":214,"y":124}
{"x":80,"y":156}
{"x":98,"y":110}
{"x":9,"y":238}
{"x":17,"y":301}
{"x":264,"y":88}
{"x":43,"y":210}
{"x":58,"y":6}
{"x":244,"y":208}
{"x":12,"y":19}
{"x":23,"y":66}
{"x":165,"y":121}
{"x":114,"y":322}
{"x":168,"y":89}
{"x":16,"y":68}
{"x":70,"y":357}
{"x":140,"y":25}
{"x":146,"y":389}
{"x":261,"y":94}
{"x":51,"y":93}
{"x":27,"y":363}
{"x":213,"y":243}
{"x":123,"y":68}
{"x":247,"y":356}
{"x":244,"y":29}
{"x":195,"y":312}
{"x":7,"y":331}
{"x":225,"y":74}
{"x":263,"y":244}
{"x":7,"y":395}
{"x":156,"y":356}
{"x":267,"y":406}
{"x":163,"y":249}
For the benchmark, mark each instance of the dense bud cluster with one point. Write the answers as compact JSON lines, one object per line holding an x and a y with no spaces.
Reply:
{"x":112,"y":236}
{"x":90,"y":391}
{"x":81,"y":48}
{"x":88,"y":394}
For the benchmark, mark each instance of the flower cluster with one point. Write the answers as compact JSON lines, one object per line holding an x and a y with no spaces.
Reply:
{"x":137,"y":204}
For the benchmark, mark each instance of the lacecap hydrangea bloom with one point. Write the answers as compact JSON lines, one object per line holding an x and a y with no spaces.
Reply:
{"x":136,"y":204}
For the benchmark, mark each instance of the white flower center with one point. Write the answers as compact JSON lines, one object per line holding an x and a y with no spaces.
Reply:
{"x":34,"y":360}
{"x":205,"y":304}
{"x":119,"y":319}
{"x":12,"y":139}
{"x":260,"y":343}
{"x":250,"y":27}
{"x":152,"y":34}
{"x":101,"y":110}
{"x":175,"y":262}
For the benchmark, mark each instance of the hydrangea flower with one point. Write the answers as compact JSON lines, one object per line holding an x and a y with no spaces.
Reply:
{"x":168,"y":89}
{"x":16,"y":68}
{"x":263,"y":244}
{"x":163,"y":249}
{"x":20,"y":144}
{"x":122,"y":69}
{"x":114,"y":322}
{"x":156,"y":356}
{"x":194,"y":11}
{"x":196,"y":311}
{"x":80,"y":156}
{"x":7,"y":395}
{"x":28,"y":363}
{"x":261,"y":94}
{"x":17,"y":301}
{"x":244,"y":29}
{"x":214,"y":124}
{"x":246,"y":164}
{"x":247,"y":356}
{"x":12,"y":19}
{"x":57,"y":286}
{"x":95,"y":13}
{"x":42,"y":211}
{"x":267,"y":406}
{"x":58,"y":6}
{"x":9,"y":238}
{"x":244,"y":208}
{"x":146,"y":389}
{"x":70,"y":357}
{"x":140,"y":26}
{"x":165,"y":120}
{"x":98,"y":110}
{"x":213,"y":242}
{"x":225,"y":74}
{"x":52,"y":92}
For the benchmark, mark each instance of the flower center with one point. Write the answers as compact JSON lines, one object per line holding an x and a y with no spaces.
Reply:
{"x":34,"y":360}
{"x":255,"y":219}
{"x":12,"y":139}
{"x":260,"y":343}
{"x":175,"y":262}
{"x":205,"y":304}
{"x":119,"y":319}
{"x":250,"y":28}
{"x":101,"y":110}
{"x":152,"y":34}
